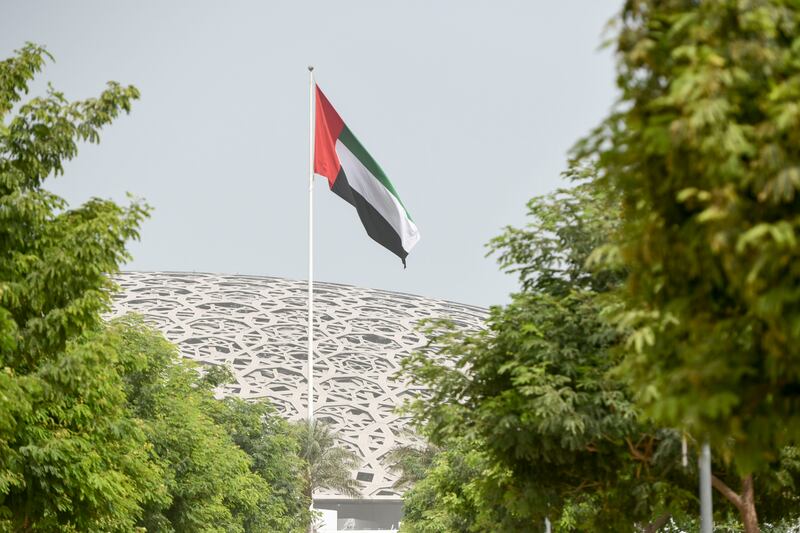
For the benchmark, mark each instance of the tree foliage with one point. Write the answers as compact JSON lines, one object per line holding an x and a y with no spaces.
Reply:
{"x":411,"y":463}
{"x":559,"y":435}
{"x":227,"y":465}
{"x":102,"y":426}
{"x":327,"y":464}
{"x":452,"y":495}
{"x":702,"y":153}
{"x":70,"y":458}
{"x":274,"y":449}
{"x":532,"y":414}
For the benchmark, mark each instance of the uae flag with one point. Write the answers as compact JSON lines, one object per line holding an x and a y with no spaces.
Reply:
{"x":355,"y":176}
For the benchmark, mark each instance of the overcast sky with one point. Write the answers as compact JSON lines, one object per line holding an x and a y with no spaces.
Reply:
{"x":469,"y":107}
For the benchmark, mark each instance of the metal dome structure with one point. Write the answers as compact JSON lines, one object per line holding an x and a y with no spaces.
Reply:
{"x":257,"y":326}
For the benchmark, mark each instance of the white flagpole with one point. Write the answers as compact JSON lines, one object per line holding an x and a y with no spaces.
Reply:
{"x":706,"y":506}
{"x":310,"y":244}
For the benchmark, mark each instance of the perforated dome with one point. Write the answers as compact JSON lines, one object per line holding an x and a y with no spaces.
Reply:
{"x":257,"y":326}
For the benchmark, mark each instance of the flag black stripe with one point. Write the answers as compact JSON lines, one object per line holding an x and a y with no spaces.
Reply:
{"x":378,"y":228}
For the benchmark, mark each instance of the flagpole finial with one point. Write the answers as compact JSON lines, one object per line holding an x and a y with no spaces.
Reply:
{"x":311,"y":68}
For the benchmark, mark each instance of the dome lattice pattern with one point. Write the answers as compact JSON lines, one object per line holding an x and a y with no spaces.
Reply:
{"x":257,"y":326}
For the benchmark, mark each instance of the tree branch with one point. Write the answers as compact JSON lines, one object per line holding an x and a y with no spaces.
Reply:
{"x":726,"y":491}
{"x":635,"y":452}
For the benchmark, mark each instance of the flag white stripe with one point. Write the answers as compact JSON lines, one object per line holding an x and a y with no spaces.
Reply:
{"x":373,"y":191}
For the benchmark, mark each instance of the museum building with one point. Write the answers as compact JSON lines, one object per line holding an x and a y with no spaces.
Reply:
{"x":257,"y":326}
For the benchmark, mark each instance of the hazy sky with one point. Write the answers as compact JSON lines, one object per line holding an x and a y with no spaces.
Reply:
{"x":469,"y":107}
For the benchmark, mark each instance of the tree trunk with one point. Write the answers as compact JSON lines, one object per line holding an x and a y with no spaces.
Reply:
{"x":748,"y":508}
{"x":745,"y":502}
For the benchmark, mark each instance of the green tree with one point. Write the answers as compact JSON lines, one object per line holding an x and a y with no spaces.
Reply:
{"x":538,"y":396}
{"x":70,"y":457}
{"x":411,"y":462}
{"x":229,"y":466}
{"x":275,"y":451}
{"x":328,"y":465}
{"x":533,"y":392}
{"x":457,"y":493}
{"x":702,"y":154}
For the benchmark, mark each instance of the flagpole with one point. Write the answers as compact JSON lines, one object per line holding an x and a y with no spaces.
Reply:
{"x":706,"y":505}
{"x":310,"y":244}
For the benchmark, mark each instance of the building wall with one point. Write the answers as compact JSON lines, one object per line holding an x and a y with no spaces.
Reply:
{"x":364,"y":515}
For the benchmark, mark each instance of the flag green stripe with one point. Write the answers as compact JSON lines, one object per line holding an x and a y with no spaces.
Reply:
{"x":360,"y":179}
{"x":349,"y":140}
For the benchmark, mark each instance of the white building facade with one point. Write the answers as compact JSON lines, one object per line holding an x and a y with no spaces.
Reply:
{"x":257,"y":326}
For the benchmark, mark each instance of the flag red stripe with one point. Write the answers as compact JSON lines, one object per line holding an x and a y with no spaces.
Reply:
{"x":328,"y":127}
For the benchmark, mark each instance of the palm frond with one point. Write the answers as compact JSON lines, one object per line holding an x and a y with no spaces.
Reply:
{"x":330,"y":466}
